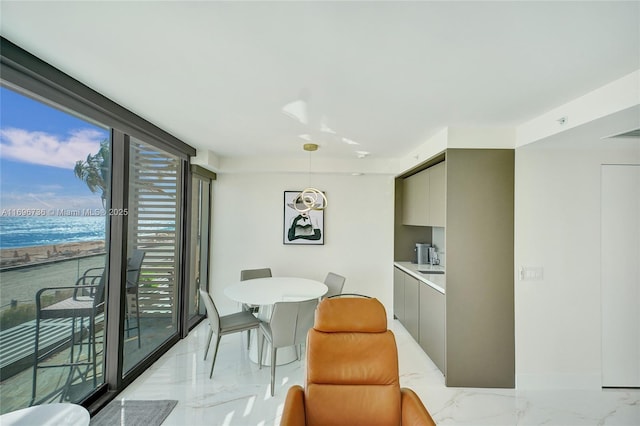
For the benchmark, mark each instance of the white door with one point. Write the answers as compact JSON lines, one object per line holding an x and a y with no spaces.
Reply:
{"x":620,"y":280}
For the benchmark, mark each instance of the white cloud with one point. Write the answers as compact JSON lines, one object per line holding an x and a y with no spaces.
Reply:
{"x":47,"y":149}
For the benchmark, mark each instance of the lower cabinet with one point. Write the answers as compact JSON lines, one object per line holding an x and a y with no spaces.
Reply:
{"x":398,"y":294}
{"x":432,"y":324}
{"x":412,"y":306}
{"x":421,"y":310}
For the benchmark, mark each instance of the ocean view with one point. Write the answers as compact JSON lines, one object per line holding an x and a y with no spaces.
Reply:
{"x":18,"y":232}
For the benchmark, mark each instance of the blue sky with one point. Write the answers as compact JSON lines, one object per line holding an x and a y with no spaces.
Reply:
{"x":39,"y":146}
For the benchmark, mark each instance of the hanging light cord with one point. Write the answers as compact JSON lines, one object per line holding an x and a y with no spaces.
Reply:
{"x":311,"y":198}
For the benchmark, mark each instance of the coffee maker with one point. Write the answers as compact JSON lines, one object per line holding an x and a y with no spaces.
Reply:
{"x":422,"y":253}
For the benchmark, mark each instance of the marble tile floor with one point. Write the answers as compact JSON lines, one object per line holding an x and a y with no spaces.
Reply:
{"x":238,"y":394}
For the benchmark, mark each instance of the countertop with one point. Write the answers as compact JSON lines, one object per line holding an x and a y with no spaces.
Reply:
{"x":435,"y":281}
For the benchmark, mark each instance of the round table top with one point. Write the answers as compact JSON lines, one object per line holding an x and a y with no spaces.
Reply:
{"x":267,"y":291}
{"x":48,"y":414}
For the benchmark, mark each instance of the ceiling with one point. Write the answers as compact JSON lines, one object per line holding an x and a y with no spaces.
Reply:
{"x":253,"y":78}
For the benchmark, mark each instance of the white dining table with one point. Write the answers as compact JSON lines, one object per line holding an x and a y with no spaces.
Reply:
{"x":268,"y":291}
{"x":265,"y":292}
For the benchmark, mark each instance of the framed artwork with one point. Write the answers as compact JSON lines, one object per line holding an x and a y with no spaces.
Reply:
{"x":301,"y":228}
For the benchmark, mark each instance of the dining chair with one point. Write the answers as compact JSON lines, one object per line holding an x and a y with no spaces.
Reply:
{"x":288,"y":326}
{"x":251,"y":274}
{"x":335,"y":283}
{"x":79,"y":313}
{"x":223,"y":325}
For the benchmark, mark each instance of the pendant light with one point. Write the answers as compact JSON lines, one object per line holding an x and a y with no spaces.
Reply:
{"x":310,"y":198}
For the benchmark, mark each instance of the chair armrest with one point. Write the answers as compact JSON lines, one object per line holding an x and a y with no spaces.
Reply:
{"x":413,"y":411}
{"x":40,"y":292}
{"x":293,"y":413}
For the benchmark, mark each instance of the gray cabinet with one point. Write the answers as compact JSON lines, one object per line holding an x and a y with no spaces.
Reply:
{"x":469,"y":332}
{"x":411,"y":305}
{"x":415,"y":199}
{"x":406,"y":301}
{"x":432,"y":326}
{"x":398,"y":294}
{"x":424,"y":197}
{"x":479,"y":304}
{"x":437,"y":194}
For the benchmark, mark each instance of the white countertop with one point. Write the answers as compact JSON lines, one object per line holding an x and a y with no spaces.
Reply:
{"x":435,"y":281}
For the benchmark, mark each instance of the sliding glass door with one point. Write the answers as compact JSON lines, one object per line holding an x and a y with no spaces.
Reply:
{"x":154,"y":250}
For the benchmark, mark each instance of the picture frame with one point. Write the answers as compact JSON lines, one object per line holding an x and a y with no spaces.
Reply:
{"x":301,"y":228}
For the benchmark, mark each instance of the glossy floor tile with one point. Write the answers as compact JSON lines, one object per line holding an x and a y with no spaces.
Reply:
{"x":238,"y":394}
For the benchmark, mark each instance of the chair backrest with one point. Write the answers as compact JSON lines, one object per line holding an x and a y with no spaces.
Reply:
{"x":212,"y":312}
{"x":96,"y":279}
{"x":283,"y":323}
{"x":335,"y":283}
{"x":349,"y":345}
{"x":304,"y":320}
{"x":250,"y":274}
{"x":134,"y":266}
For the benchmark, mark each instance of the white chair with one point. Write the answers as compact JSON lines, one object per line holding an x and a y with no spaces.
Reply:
{"x":227,"y":324}
{"x":335,"y":283}
{"x":252,"y":274}
{"x":288,"y":326}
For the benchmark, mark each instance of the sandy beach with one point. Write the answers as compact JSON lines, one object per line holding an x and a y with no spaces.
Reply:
{"x":39,"y":254}
{"x":33,"y":268}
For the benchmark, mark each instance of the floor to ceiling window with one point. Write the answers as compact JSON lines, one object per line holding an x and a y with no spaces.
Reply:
{"x":54,"y":187}
{"x":201,"y":182}
{"x":92,"y":208}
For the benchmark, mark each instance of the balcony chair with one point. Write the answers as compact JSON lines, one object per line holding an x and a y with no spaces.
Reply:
{"x":288,"y":326}
{"x":134,"y":266}
{"x":81,"y":310}
{"x":251,"y":274}
{"x":352,"y":371}
{"x":227,"y":324}
{"x":335,"y":283}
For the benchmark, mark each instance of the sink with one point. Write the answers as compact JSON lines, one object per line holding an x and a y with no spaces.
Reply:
{"x":431,"y":271}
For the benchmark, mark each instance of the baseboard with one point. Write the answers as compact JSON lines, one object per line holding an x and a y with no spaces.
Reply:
{"x":585,"y":381}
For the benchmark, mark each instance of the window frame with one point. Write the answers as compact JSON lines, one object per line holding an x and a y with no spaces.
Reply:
{"x":22,"y":71}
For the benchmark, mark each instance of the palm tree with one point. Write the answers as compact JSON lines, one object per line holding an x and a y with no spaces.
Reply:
{"x":94,"y":171}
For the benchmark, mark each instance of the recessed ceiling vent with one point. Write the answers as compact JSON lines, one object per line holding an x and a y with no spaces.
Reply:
{"x":629,"y":134}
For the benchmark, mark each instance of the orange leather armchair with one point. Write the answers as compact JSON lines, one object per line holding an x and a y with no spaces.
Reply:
{"x":352,"y":371}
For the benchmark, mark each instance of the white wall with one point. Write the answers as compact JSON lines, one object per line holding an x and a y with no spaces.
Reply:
{"x":557,"y":211}
{"x":248,"y":226}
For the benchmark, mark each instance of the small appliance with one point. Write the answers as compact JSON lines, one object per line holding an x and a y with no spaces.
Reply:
{"x":422,"y":253}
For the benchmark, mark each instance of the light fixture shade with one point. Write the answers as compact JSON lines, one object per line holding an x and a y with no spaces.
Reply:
{"x":310,"y":199}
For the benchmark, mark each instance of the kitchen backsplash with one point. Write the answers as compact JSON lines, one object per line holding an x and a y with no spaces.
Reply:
{"x":437,"y":239}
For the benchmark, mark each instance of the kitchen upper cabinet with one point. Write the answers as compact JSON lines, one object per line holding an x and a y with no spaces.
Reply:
{"x":432,"y":326}
{"x":437,"y":194}
{"x":415,"y":199}
{"x":424,"y":196}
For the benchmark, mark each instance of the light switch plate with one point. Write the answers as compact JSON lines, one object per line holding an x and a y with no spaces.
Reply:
{"x":531,"y":273}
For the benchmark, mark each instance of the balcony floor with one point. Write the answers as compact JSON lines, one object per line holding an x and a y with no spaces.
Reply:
{"x":154,"y":331}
